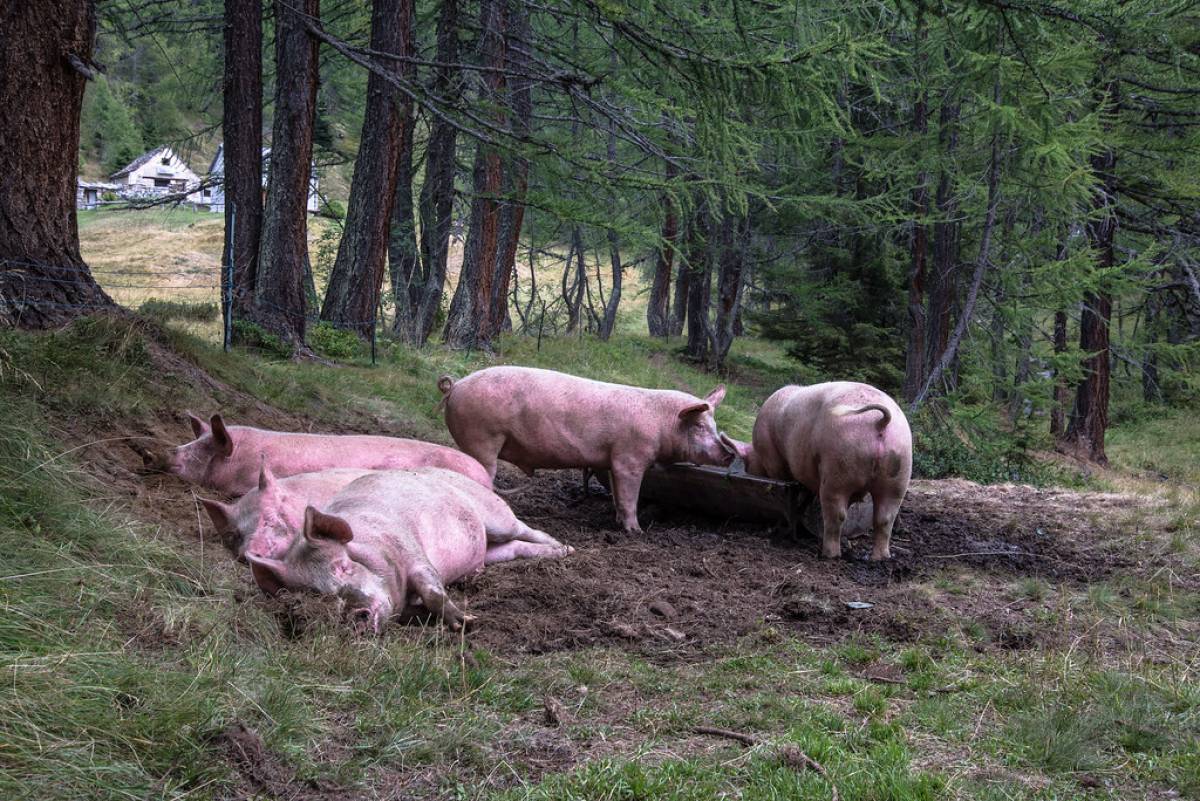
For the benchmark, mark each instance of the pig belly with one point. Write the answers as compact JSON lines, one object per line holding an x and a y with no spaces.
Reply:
{"x":455,"y":548}
{"x":552,"y":451}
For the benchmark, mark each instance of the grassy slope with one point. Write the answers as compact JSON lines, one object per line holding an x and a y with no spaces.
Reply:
{"x":126,"y":652}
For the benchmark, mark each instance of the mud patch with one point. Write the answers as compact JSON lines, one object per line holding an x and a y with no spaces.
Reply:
{"x":721,"y":581}
{"x":261,"y":772}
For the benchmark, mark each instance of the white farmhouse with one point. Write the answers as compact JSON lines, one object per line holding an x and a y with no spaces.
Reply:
{"x":213,"y":193}
{"x":155,"y":173}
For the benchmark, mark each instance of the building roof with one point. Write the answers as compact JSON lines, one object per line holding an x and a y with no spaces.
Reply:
{"x":138,"y":162}
{"x":95,"y":184}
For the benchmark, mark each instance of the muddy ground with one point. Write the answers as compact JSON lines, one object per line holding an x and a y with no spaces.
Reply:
{"x":689,"y":583}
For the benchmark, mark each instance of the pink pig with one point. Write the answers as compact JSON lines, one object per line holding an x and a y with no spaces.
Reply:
{"x":841,"y":440}
{"x":545,"y":419}
{"x":391,"y":540}
{"x":227,"y":458}
{"x":264,"y":520}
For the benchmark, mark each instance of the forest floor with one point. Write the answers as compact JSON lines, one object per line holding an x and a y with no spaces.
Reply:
{"x":1025,"y":642}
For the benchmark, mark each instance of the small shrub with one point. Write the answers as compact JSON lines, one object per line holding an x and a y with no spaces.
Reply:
{"x":334,"y":343}
{"x":163,"y":310}
{"x":254,"y":336}
{"x":978,"y":448}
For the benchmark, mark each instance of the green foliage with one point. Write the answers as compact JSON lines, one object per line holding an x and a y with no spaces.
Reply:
{"x":108,"y":129}
{"x":255,"y":336}
{"x":973,"y":443}
{"x":335,"y":343}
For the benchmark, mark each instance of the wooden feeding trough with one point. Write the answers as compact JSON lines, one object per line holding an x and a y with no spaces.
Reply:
{"x":733,"y":493}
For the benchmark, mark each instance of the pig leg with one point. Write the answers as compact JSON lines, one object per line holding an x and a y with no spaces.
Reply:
{"x":883,"y":519}
{"x":626,"y":486}
{"x":519,"y":549}
{"x":833,"y":515}
{"x":501,"y":532}
{"x":427,"y":584}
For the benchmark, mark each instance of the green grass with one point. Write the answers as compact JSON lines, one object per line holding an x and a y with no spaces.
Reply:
{"x":125,"y":653}
{"x":1165,"y":442}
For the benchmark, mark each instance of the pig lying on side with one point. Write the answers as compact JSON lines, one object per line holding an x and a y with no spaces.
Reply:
{"x":264,"y":520}
{"x":393,"y":539}
{"x":544,"y":419}
{"x":841,"y":440}
{"x":227,"y":458}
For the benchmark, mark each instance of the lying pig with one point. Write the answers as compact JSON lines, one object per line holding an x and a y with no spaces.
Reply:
{"x":264,"y":520}
{"x":391,"y":540}
{"x":841,"y":440}
{"x":541,"y":418}
{"x":227,"y":458}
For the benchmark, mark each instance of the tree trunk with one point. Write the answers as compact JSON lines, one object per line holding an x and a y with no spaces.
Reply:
{"x":354,"y":285}
{"x":515,"y":167}
{"x":574,"y":280}
{"x":1059,"y":407}
{"x":404,"y":259}
{"x":45,"y":60}
{"x":1089,"y":417}
{"x":1151,"y":389}
{"x":657,"y":310}
{"x":241,"y":181}
{"x":468,"y":323}
{"x":609,"y":321}
{"x":730,"y":282}
{"x":914,"y":363}
{"x":437,"y":193}
{"x":699,"y":295}
{"x":942,"y":284}
{"x":678,"y":310}
{"x":280,"y":302}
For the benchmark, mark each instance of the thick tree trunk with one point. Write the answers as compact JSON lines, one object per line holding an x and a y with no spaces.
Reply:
{"x":699,"y":296}
{"x":678,"y":310}
{"x":352,"y":296}
{"x":730,"y":283}
{"x":1061,"y":393}
{"x":45,"y":60}
{"x":436,"y":205}
{"x":242,"y":154}
{"x":280,"y":300}
{"x":468,"y":324}
{"x":1089,"y":417}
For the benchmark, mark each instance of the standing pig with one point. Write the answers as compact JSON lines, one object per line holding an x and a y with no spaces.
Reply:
{"x":393,"y":538}
{"x":264,"y":520}
{"x":841,"y":440}
{"x":544,"y":419}
{"x":227,"y":458}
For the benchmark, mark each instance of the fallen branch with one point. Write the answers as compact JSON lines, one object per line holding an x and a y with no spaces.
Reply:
{"x":790,"y":755}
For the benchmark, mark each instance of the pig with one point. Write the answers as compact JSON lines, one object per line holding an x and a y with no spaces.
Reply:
{"x":841,"y":440}
{"x":544,"y":419}
{"x":264,"y":520}
{"x":227,"y":458}
{"x":391,"y":540}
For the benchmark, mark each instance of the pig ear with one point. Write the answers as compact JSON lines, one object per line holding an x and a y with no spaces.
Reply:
{"x":271,"y":575}
{"x":222,"y":515}
{"x":742,"y":449}
{"x":221,"y":437}
{"x":266,"y":479}
{"x":199,"y":427}
{"x":715,"y":397}
{"x":318,"y":525}
{"x":691,"y":414}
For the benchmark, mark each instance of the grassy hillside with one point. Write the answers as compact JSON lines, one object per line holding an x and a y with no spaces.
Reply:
{"x":141,"y":661}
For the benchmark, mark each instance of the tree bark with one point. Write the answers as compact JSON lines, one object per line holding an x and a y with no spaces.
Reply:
{"x":1061,"y":396}
{"x":436,"y":204}
{"x":609,"y":321}
{"x":45,"y":60}
{"x":657,"y":310}
{"x":942,"y":284}
{"x":242,"y":153}
{"x":514,"y":165}
{"x":404,"y":258}
{"x":730,"y":283}
{"x":699,"y":295}
{"x":574,"y":280}
{"x":357,"y":278}
{"x":914,"y":363}
{"x":280,"y":304}
{"x":468,"y":323}
{"x":678,"y":310}
{"x":1089,"y":416}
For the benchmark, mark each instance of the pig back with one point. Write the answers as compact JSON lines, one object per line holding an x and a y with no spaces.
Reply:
{"x":546,"y":419}
{"x":411,"y":516}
